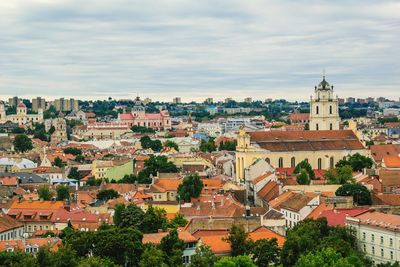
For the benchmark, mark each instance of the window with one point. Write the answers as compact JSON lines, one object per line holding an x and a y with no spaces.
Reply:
{"x":381,"y":239}
{"x":363,"y":235}
{"x":293,"y":162}
{"x":391,"y":242}
{"x":330,"y":109}
{"x":331,"y":163}
{"x":316,"y":127}
{"x":319,"y":163}
{"x":317,"y":110}
{"x":373,"y":250}
{"x":364,"y":248}
{"x":268,"y":160}
{"x":382,"y":254}
{"x":391,"y":255}
{"x":373,"y":238}
{"x":280,"y":162}
{"x":330,"y":126}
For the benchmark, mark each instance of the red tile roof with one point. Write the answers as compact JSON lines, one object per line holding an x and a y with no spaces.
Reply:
{"x":155,"y":238}
{"x":337,"y":217}
{"x":391,"y":161}
{"x":306,"y":140}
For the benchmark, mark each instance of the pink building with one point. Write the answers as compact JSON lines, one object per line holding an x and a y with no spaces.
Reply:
{"x":138,"y":117}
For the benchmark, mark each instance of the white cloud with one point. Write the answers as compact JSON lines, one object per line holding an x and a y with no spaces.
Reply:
{"x":196,"y":49}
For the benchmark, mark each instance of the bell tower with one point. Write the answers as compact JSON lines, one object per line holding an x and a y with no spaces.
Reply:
{"x":324,"y":108}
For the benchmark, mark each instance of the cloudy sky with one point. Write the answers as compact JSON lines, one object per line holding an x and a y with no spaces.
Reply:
{"x":197,"y":49}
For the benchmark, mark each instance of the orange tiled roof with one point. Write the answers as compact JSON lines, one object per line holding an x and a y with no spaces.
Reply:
{"x":37,"y":205}
{"x":217,"y":243}
{"x":155,"y":238}
{"x":168,"y":184}
{"x":306,"y":140}
{"x":391,"y":161}
{"x":263,"y":232}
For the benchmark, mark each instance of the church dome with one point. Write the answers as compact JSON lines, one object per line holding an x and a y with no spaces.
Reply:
{"x":21,"y":105}
{"x":324,"y":85}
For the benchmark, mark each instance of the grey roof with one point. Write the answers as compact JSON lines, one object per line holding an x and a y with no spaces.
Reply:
{"x":25,"y":177}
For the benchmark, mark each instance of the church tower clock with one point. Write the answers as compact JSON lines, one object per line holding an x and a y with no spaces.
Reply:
{"x":324,"y":108}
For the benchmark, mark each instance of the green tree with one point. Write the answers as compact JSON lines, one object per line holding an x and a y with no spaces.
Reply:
{"x":238,"y":261}
{"x":357,"y":161}
{"x":151,"y":257}
{"x":340,"y":175}
{"x":173,"y":248}
{"x":73,"y":150}
{"x":17,"y":259}
{"x":314,"y":235}
{"x":303,"y":177}
{"x":22,"y":143}
{"x":228,"y":145}
{"x":360,"y":193}
{"x":178,"y":221}
{"x":204,"y":257}
{"x":44,"y":192}
{"x":63,"y":192}
{"x":154,"y":165}
{"x":141,"y":129}
{"x":58,"y":162}
{"x":171,"y":144}
{"x":79,"y":158}
{"x":97,"y":262}
{"x":128,"y":216}
{"x":266,"y":252}
{"x":106,"y":194}
{"x":239,"y":240}
{"x":327,"y":257}
{"x":305,"y":165}
{"x":74,"y":173}
{"x":65,"y":256}
{"x":208,"y":146}
{"x":154,"y":220}
{"x":190,"y":187}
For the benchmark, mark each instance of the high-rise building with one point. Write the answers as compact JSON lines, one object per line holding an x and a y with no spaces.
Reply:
{"x":324,"y":108}
{"x":227,"y":100}
{"x":38,"y":103}
{"x":62,"y":104}
{"x":370,"y":99}
{"x":14,"y":101}
{"x":248,"y":100}
{"x":176,"y":100}
{"x":209,"y":100}
{"x":350,"y":100}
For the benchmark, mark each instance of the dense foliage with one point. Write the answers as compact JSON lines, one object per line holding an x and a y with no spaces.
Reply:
{"x":360,"y":193}
{"x":22,"y":143}
{"x":306,"y":166}
{"x":357,"y":161}
{"x":190,"y":187}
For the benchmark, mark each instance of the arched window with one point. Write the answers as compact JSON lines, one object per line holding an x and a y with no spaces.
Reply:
{"x":331,"y":162}
{"x":317,"y":110}
{"x":330,"y":109}
{"x":316,"y":127}
{"x":319,"y":163}
{"x":280,"y":162}
{"x":268,"y":160}
{"x":330,"y":126}
{"x":306,"y":160}
{"x":293,"y":162}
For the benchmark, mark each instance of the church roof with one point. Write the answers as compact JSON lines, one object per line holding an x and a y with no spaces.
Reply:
{"x":21,"y":105}
{"x":280,"y":141}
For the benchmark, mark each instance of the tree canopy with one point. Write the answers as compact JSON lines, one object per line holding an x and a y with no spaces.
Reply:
{"x":360,"y":193}
{"x":22,"y":143}
{"x":190,"y":187}
{"x":306,"y":166}
{"x":357,"y":162}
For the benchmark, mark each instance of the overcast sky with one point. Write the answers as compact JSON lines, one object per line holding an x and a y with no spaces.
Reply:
{"x":197,"y":49}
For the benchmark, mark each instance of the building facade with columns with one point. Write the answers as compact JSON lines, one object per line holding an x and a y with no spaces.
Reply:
{"x":21,"y":117}
{"x":322,"y":149}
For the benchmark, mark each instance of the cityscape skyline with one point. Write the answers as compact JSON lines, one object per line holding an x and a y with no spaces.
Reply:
{"x":197,"y":50}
